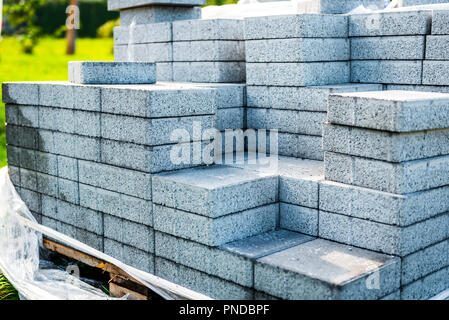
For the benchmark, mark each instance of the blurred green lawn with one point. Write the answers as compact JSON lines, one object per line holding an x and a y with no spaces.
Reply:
{"x":49,"y":62}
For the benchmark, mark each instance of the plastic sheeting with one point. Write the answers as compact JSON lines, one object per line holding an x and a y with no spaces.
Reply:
{"x":20,"y":240}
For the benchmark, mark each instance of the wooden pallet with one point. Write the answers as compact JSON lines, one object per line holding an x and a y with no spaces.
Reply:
{"x":120,"y":282}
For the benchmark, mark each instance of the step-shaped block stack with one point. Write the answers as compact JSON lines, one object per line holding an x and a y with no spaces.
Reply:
{"x":284,"y":55}
{"x":82,"y":156}
{"x":209,"y":51}
{"x":215,"y":233}
{"x":386,"y":169}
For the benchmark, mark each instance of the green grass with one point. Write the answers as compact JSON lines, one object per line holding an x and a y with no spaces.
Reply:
{"x":49,"y":62}
{"x":7,"y":291}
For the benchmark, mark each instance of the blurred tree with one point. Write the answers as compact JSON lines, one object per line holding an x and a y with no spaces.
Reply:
{"x":21,"y":14}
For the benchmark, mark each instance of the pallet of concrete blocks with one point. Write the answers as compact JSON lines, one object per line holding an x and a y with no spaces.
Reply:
{"x":208,"y":50}
{"x":82,"y":156}
{"x":389,"y":47}
{"x":386,"y":169}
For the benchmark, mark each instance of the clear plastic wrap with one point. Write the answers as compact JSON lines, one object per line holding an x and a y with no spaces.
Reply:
{"x":20,"y":239}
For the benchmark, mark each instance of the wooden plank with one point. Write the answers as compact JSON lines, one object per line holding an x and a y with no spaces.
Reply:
{"x":119,"y":291}
{"x":86,"y":259}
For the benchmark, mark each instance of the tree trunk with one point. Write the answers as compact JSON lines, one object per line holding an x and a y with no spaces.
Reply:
{"x":71,"y":29}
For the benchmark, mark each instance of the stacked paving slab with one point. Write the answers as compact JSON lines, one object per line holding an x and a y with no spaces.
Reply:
{"x":93,"y":157}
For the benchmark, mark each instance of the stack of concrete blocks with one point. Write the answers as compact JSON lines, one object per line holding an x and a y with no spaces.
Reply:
{"x":218,"y":231}
{"x":387,"y":170}
{"x":209,"y":51}
{"x":82,"y":156}
{"x":293,"y":63}
{"x":184,"y":47}
{"x":145,"y":32}
{"x":405,"y":50}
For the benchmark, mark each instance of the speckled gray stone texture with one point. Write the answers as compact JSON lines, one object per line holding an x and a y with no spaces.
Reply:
{"x":90,"y":72}
{"x":215,"y":191}
{"x":215,"y":232}
{"x":322,"y":269}
{"x":397,"y":111}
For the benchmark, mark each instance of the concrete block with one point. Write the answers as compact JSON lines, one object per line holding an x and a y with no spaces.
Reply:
{"x":45,"y":141}
{"x":153,"y":131}
{"x":143,"y":33}
{"x":182,"y":156}
{"x":57,"y":94}
{"x":89,"y":238}
{"x":11,"y":114}
{"x":396,"y":111}
{"x":102,"y":72}
{"x":297,"y":74}
{"x":273,"y":119}
{"x":299,"y":181}
{"x":118,"y":205}
{"x":118,"y":4}
{"x":32,"y":200}
{"x":129,"y":233}
{"x":129,"y":182}
{"x":386,"y":71}
{"x":68,"y":191}
{"x":383,"y":207}
{"x":126,"y":155}
{"x":262,"y":245}
{"x":231,"y":118}
{"x":441,"y":89}
{"x":21,"y":136}
{"x":390,"y":23}
{"x":87,"y":123}
{"x":437,"y":48}
{"x":322,"y":269}
{"x":434,"y":73}
{"x":392,"y":296}
{"x":208,"y":29}
{"x":399,"y":178}
{"x":67,"y":168}
{"x":300,"y":98}
{"x":151,"y":101}
{"x":164,"y":71}
{"x":424,"y":262}
{"x":310,"y":147}
{"x":144,"y":52}
{"x":14,"y":175}
{"x":158,"y":13}
{"x":336,"y":7}
{"x":13,"y":154}
{"x":28,"y":179}
{"x":440,"y":22}
{"x":201,"y":282}
{"x":296,"y":26}
{"x":47,"y":184}
{"x":215,"y":191}
{"x":209,"y":50}
{"x":216,"y":262}
{"x":426,"y":287}
{"x":215,"y":232}
{"x":27,"y":159}
{"x":28,"y":116}
{"x":383,"y":145}
{"x":299,"y":219}
{"x":286,"y":144}
{"x":79,"y":147}
{"x":400,"y":241}
{"x":26,"y":93}
{"x":388,"y":48}
{"x":131,"y":256}
{"x":311,"y":123}
{"x":298,"y":50}
{"x":214,"y":72}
